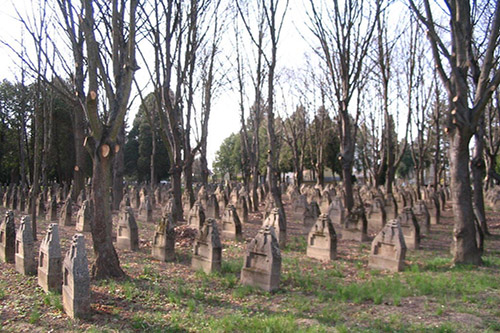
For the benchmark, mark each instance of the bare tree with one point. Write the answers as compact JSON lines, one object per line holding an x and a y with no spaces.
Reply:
{"x":465,"y":110}
{"x":344,"y":31}
{"x":106,"y":124}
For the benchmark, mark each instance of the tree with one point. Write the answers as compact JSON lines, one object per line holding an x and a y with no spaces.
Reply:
{"x":344,"y":31}
{"x":465,"y":111}
{"x":106,"y":125}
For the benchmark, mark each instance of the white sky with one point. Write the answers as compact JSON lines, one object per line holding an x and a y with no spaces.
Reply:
{"x":224,"y":119}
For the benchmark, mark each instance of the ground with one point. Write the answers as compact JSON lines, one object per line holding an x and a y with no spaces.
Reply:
{"x":338,"y":296}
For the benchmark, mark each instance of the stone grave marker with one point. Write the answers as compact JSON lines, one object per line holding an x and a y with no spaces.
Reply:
{"x":231,"y":224}
{"x":262,"y":265}
{"x":277,"y":222}
{"x":84,"y":217}
{"x":355,"y":226}
{"x":163,"y":247}
{"x":410,"y":227}
{"x":25,"y":255}
{"x":388,"y":249}
{"x":322,"y":240}
{"x":50,"y":261}
{"x":196,"y":217}
{"x":423,"y":217}
{"x":207,"y":250}
{"x":212,"y":210}
{"x":127,"y":233}
{"x":76,"y":280}
{"x":65,"y":218}
{"x":8,"y":238}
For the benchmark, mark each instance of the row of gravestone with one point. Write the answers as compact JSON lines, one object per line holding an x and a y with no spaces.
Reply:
{"x":69,"y":277}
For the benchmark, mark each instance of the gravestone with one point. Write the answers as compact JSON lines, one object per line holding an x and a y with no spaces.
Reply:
{"x":212,"y":210}
{"x":52,"y":211}
{"x":262,"y":265}
{"x":76,"y":280}
{"x":410,"y":228}
{"x":391,"y":207}
{"x":186,"y":203}
{"x":163,"y":247}
{"x":196,"y":217}
{"x":299,"y":208}
{"x":207,"y":250}
{"x":311,"y":215}
{"x":40,"y":205}
{"x":242,"y":209}
{"x":322,"y":240}
{"x":8,"y":238}
{"x":127,"y":233}
{"x":325,"y":202}
{"x":355,"y":225}
{"x":25,"y":256}
{"x":388,"y":249}
{"x":276,"y":221}
{"x":84,"y":217}
{"x":66,"y":213}
{"x":423,"y":217}
{"x":231,"y":224}
{"x":203,"y":197}
{"x":49,"y":261}
{"x":146,"y":209}
{"x":375,"y":214}
{"x":337,"y":212}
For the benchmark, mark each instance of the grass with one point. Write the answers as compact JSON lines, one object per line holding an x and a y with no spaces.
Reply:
{"x":314,"y":296}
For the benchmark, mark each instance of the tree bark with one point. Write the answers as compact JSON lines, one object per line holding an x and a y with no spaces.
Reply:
{"x":464,"y":247}
{"x":107,"y":263}
{"x":118,"y":170}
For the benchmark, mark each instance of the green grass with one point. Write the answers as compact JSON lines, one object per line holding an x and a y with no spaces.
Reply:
{"x":54,"y":300}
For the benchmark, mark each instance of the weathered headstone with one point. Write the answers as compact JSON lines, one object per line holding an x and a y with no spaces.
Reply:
{"x":186,"y":204}
{"x":163,"y":247}
{"x":262,"y":265}
{"x":207,"y":251}
{"x":8,"y":238}
{"x":277,"y":222}
{"x":65,"y":218}
{"x":242,"y":209}
{"x":146,"y":209}
{"x":375,"y":214}
{"x":212,"y":210}
{"x":355,"y":225}
{"x":50,"y":261}
{"x":299,"y":208}
{"x":25,"y":256}
{"x":127,"y":233}
{"x":231,"y":224}
{"x":311,"y":215}
{"x":322,"y":240}
{"x":76,"y":280}
{"x":423,"y":217}
{"x":52,"y":211}
{"x":84,"y":217}
{"x":388,"y":248}
{"x":410,"y":228}
{"x":337,"y":212}
{"x":196,"y":217}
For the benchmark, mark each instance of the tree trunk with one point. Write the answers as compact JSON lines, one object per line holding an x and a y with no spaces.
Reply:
{"x":347,"y":153}
{"x":107,"y":263}
{"x":464,"y":247}
{"x":80,"y":151}
{"x":152,"y":164}
{"x":478,"y":172}
{"x":118,"y":170}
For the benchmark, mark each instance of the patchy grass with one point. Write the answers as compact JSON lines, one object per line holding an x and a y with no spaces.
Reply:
{"x":340,"y":296}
